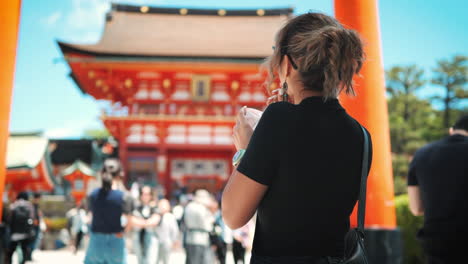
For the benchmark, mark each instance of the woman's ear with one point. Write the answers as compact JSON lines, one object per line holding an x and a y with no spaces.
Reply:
{"x":286,"y":66}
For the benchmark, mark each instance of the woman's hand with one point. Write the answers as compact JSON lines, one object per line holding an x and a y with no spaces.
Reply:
{"x":276,"y":96}
{"x":242,"y":131}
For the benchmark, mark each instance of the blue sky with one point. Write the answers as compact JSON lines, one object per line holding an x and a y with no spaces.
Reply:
{"x":45,"y":98}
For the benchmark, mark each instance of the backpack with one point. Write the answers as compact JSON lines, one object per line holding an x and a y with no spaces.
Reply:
{"x":22,"y":221}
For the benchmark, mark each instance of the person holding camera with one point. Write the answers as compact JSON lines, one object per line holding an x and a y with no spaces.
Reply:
{"x":305,"y":150}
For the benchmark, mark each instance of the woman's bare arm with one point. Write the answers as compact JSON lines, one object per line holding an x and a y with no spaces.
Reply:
{"x":240,"y":200}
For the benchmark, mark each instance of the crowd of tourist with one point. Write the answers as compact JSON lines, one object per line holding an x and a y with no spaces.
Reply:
{"x":112,"y":222}
{"x":151,"y":227}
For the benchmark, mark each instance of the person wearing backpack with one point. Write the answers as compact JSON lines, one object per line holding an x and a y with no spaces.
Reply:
{"x":21,"y":226}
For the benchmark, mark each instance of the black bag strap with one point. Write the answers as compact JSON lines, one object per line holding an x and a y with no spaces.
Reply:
{"x":364,"y":173}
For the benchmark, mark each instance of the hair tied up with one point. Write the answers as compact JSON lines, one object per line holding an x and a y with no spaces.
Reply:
{"x":327,"y":54}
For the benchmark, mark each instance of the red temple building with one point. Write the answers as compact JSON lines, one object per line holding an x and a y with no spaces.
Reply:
{"x":175,"y":79}
{"x":28,"y":164}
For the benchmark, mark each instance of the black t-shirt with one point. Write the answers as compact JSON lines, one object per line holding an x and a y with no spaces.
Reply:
{"x":310,"y":156}
{"x":440,"y":169}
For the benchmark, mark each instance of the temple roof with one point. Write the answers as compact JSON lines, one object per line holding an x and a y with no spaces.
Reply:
{"x":78,"y":165}
{"x":67,"y":151}
{"x":137,"y":31}
{"x":25,"y":151}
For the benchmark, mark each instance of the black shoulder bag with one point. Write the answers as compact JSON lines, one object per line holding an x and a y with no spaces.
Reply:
{"x":354,"y":240}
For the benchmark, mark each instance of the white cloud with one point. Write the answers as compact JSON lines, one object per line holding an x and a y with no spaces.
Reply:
{"x":73,"y":129}
{"x":90,"y":14}
{"x":85,"y":21}
{"x":81,"y":36}
{"x":57,"y":133}
{"x":52,"y":19}
{"x":87,"y":14}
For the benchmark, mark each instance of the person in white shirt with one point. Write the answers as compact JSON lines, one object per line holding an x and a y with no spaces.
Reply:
{"x":79,"y":225}
{"x":199,"y":222}
{"x":167,"y":231}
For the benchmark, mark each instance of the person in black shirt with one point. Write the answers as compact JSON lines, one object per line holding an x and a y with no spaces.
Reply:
{"x":437,"y":189}
{"x":300,"y":168}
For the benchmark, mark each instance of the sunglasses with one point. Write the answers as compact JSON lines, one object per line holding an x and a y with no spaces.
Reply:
{"x":283,"y":52}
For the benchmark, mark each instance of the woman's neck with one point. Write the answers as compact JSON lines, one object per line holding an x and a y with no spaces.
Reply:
{"x":302,"y":94}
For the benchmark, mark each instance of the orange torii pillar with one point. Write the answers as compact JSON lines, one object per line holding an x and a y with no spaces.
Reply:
{"x":369,"y":107}
{"x":9,"y":22}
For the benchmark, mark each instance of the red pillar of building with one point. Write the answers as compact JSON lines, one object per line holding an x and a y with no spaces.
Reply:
{"x":123,"y":153}
{"x":9,"y":24}
{"x":369,"y":107}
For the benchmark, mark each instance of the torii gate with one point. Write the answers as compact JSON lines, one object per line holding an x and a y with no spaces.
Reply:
{"x":369,"y":107}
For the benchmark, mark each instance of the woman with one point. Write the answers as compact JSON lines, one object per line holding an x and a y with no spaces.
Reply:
{"x":167,"y":231}
{"x":109,"y":206}
{"x":79,"y":225}
{"x":145,"y":241}
{"x":303,"y":152}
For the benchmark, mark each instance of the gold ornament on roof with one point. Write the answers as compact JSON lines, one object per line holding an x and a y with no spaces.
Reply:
{"x":222,"y":12}
{"x":91,"y":74}
{"x":128,"y":83}
{"x":183,"y":11}
{"x":144,"y":9}
{"x":235,"y":85}
{"x":260,"y":12}
{"x":105,"y":88}
{"x":99,"y":83}
{"x":166,"y":83}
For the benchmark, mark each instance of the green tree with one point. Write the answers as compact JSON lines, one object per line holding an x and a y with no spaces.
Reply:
{"x":411,"y":119}
{"x":409,"y":135}
{"x":96,"y":134}
{"x":403,"y":81}
{"x":400,"y":164}
{"x":452,"y":75}
{"x":406,"y":111}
